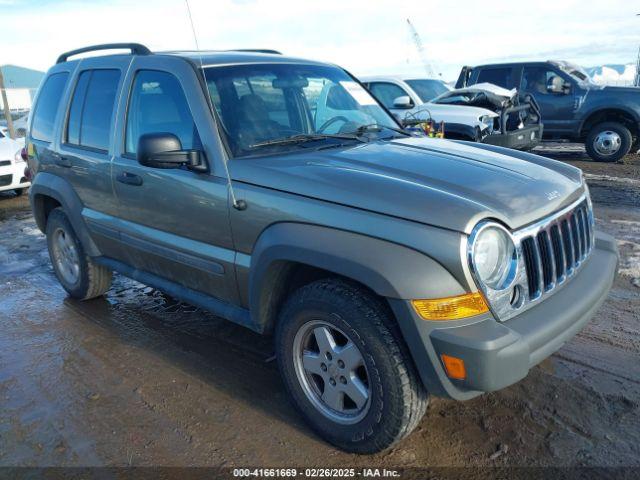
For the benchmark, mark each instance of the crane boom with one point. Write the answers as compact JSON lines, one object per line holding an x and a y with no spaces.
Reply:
{"x":423,"y":56}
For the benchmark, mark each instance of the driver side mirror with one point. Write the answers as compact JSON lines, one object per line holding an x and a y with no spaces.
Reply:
{"x":164,"y":150}
{"x":403,"y":101}
{"x":557,"y":84}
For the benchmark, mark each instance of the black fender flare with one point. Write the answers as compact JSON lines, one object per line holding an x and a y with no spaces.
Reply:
{"x":48,"y":185}
{"x":388,"y":269}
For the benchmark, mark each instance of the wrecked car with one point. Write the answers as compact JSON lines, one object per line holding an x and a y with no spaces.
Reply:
{"x":606,"y":119}
{"x":481,"y":113}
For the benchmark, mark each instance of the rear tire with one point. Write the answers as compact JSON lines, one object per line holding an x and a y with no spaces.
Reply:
{"x":608,"y":142}
{"x":19,"y":191}
{"x":368,"y":358}
{"x":80,"y":276}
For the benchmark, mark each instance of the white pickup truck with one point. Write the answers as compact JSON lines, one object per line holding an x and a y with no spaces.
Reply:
{"x":481,"y":113}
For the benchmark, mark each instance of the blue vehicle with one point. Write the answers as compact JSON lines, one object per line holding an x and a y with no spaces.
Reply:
{"x":573,"y":108}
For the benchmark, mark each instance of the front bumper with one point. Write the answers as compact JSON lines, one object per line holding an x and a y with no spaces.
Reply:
{"x":496,"y":354}
{"x":12,"y":176}
{"x":522,"y":139}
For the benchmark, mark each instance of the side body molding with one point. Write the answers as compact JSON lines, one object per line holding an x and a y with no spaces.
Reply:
{"x":389,"y":269}
{"x":49,"y":185}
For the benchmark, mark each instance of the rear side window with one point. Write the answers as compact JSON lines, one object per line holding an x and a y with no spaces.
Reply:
{"x":158,"y":104}
{"x":497,"y":76}
{"x":44,"y":114}
{"x":91,"y":109}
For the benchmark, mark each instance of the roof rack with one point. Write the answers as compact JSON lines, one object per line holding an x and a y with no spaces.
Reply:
{"x":136,"y":49}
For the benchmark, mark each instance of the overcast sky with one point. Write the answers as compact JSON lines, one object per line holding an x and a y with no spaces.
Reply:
{"x":364,"y":36}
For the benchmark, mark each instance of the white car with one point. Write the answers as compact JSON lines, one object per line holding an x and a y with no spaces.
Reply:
{"x":482,"y":113}
{"x":12,"y":166}
{"x":19,"y":127}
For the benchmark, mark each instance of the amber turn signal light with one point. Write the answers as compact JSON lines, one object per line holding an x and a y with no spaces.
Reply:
{"x":451,"y":308}
{"x":454,"y":367}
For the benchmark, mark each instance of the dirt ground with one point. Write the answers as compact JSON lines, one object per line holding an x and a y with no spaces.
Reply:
{"x":138,"y":379}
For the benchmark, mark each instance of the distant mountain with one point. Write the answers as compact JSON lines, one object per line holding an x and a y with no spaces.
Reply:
{"x":613,"y":74}
{"x":20,"y":77}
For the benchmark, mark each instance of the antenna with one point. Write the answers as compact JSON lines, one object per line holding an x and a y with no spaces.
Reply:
{"x":237,"y":204}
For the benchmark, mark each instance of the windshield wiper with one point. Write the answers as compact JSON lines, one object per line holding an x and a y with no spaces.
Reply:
{"x":375,"y":127}
{"x":306,"y":137}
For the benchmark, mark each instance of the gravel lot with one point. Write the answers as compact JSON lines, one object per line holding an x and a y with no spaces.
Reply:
{"x":137,"y":379}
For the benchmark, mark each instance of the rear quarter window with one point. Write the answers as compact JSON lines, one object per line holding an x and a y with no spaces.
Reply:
{"x":44,"y":114}
{"x":91,"y":110}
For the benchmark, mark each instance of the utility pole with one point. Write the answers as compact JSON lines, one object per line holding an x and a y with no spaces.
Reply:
{"x":5,"y":103}
{"x":636,"y":81}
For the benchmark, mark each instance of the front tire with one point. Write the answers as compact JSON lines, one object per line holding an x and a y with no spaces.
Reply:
{"x":346,"y":367}
{"x":80,"y":276}
{"x":608,"y":142}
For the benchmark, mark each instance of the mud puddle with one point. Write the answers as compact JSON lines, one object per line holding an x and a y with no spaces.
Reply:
{"x":137,"y":378}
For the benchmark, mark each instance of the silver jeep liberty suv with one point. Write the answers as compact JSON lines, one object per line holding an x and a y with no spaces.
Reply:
{"x":278,"y":193}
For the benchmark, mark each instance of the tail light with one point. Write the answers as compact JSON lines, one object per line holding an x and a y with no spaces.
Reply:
{"x":24,"y":154}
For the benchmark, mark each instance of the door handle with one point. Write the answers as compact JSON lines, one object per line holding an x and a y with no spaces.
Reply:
{"x":61,"y":161}
{"x":129,"y":179}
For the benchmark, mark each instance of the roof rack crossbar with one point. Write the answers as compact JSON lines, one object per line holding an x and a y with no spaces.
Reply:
{"x":136,"y":49}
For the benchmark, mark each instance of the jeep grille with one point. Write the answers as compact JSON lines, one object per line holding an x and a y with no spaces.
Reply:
{"x":554,"y":250}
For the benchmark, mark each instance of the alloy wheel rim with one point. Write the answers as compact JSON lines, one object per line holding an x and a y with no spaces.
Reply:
{"x":332,"y":372}
{"x":65,"y":256}
{"x":607,"y":143}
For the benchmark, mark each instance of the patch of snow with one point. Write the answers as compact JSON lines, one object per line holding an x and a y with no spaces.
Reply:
{"x":607,"y":178}
{"x":629,"y":259}
{"x":606,"y":75}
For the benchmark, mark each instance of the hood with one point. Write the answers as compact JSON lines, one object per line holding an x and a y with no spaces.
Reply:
{"x":437,"y":182}
{"x":456,"y":113}
{"x":482,"y":95}
{"x":490,"y":88}
{"x":8,"y":148}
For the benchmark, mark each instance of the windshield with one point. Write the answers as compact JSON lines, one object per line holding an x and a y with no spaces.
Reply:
{"x":428,"y":89}
{"x":262,"y":106}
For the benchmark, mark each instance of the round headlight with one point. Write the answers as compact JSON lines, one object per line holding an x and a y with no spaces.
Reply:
{"x":493,"y":255}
